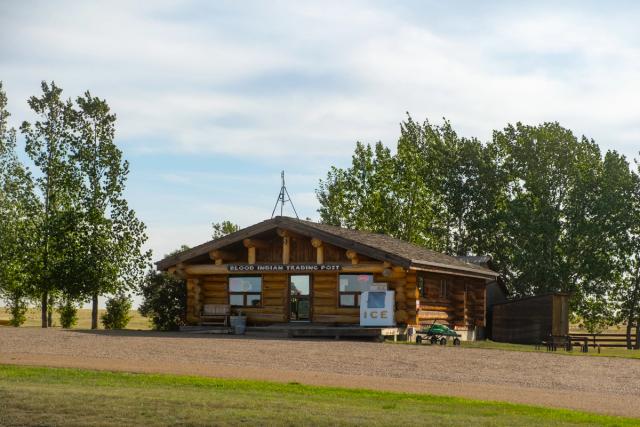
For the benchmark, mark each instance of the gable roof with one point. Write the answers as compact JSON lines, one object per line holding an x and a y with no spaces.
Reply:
{"x":377,"y":246}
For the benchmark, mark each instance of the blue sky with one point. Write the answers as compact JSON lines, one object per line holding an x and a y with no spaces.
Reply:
{"x":215,"y":98}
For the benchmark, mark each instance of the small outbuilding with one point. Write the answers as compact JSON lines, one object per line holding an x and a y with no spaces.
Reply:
{"x":289,"y":270}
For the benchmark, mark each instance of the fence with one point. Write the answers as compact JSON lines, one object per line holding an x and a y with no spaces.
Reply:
{"x":605,"y":340}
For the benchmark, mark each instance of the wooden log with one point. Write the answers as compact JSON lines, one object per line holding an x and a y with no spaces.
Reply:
{"x":255,"y":243}
{"x":220,"y":255}
{"x":337,"y":310}
{"x":325,"y":302}
{"x":353,"y":256}
{"x":324,"y":293}
{"x":286,"y":249}
{"x":251,"y":255}
{"x":330,"y":318}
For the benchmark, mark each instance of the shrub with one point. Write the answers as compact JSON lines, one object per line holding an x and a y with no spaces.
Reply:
{"x":17,"y":307}
{"x":117,"y":315}
{"x":68,"y":314}
{"x":164,"y":301}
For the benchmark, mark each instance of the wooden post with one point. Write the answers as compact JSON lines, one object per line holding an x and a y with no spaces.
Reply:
{"x":219,"y":256}
{"x":286,"y":247}
{"x":317,"y":243}
{"x":251,"y":245}
{"x":484,"y":314}
{"x":353,"y":256}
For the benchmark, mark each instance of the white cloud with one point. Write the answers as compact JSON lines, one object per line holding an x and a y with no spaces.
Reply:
{"x":293,"y":85}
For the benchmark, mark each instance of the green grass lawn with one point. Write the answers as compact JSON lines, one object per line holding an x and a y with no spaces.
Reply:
{"x":492,"y":345}
{"x":55,"y":396}
{"x":84,"y":318}
{"x":605,"y":351}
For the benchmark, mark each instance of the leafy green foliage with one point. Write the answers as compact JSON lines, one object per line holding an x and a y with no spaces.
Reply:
{"x":117,"y":315}
{"x":19,"y":208}
{"x":70,"y":234}
{"x":68,"y":314}
{"x":164,"y":300}
{"x":554,"y":213}
{"x":223,"y":228}
{"x":17,"y":308}
{"x":112,"y":235}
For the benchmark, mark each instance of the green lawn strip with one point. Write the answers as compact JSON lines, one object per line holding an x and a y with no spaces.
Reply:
{"x":36,"y":396}
{"x":492,"y":345}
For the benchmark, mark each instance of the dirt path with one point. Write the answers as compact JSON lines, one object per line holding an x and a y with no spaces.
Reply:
{"x":605,"y":385}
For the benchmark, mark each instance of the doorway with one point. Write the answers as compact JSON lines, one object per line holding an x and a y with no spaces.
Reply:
{"x":299,"y":298}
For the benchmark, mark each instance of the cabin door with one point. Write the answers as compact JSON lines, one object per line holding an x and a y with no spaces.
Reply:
{"x":299,"y":300}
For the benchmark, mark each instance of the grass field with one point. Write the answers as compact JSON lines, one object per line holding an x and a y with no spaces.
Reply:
{"x":54,"y":396}
{"x":84,"y":318}
{"x":605,"y":351}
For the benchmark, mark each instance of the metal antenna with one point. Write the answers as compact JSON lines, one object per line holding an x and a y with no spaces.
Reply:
{"x":283,"y":198}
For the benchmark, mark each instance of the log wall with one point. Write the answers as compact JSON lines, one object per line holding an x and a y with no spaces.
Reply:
{"x":463,"y":305}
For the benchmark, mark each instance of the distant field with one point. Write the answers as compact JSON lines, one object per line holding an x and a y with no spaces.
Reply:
{"x":51,"y":396}
{"x":84,"y":319}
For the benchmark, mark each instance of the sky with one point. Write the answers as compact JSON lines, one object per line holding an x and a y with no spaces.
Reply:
{"x":214,"y":99}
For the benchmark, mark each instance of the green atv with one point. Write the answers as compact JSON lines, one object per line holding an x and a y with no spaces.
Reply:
{"x":437,"y":333}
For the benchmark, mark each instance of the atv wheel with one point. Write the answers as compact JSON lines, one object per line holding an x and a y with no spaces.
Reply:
{"x":418,"y":339}
{"x":434,"y":340}
{"x":456,"y":341}
{"x":443,"y":341}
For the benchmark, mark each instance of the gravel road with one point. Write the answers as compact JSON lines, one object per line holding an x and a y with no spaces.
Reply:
{"x":596,"y":384}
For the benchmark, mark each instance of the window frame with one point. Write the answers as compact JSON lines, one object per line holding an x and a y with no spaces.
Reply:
{"x":421,"y":284}
{"x":356,"y":294}
{"x":444,"y":288}
{"x":244,"y":294}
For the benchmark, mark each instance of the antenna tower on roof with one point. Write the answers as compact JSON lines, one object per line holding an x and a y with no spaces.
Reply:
{"x":283,"y":198}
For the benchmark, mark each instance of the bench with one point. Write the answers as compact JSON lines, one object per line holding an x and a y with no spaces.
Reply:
{"x":215,"y":314}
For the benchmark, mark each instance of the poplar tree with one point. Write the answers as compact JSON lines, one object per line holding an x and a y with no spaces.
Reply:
{"x":18,"y":209}
{"x":47,"y":143}
{"x":113,"y":236}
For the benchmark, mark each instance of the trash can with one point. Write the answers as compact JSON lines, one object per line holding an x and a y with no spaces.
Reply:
{"x":238,"y":324}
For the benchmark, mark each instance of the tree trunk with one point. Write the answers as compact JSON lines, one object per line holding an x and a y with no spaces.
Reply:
{"x":94,"y":312}
{"x":50,"y":311}
{"x":45,"y":300}
{"x":629,"y":329}
{"x":633,"y":316}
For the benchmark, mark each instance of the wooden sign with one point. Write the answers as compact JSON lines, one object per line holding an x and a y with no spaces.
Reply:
{"x":287,"y":268}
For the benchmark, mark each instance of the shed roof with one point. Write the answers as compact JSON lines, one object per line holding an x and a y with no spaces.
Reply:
{"x":377,"y":246}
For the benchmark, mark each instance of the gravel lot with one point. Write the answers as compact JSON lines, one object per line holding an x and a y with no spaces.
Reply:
{"x":597,"y":384}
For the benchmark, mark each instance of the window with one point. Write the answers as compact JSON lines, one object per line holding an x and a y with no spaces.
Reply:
{"x":351,"y":286}
{"x":443,"y":289}
{"x":422,"y":287}
{"x":245,"y":291}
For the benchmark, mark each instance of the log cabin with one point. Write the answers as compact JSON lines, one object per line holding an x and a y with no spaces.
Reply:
{"x":290,"y":270}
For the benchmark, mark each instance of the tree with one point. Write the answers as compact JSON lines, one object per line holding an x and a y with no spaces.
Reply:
{"x":117,"y":314}
{"x":113,"y":236}
{"x":223,"y":228}
{"x":438,"y":190}
{"x":18,"y":209}
{"x":47,"y":143}
{"x":164,"y":300}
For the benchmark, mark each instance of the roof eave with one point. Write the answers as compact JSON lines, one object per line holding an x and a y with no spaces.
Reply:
{"x":481,"y":273}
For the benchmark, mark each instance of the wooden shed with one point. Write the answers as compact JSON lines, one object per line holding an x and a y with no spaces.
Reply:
{"x":289,"y":270}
